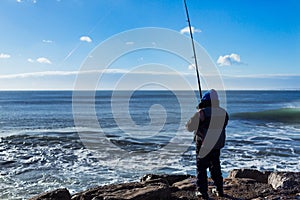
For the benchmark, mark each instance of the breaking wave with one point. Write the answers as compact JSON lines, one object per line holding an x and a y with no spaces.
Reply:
{"x":287,"y":115}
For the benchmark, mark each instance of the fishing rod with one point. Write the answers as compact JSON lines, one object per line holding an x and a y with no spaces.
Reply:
{"x":193,"y":45}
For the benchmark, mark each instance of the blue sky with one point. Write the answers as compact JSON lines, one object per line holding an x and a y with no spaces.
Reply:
{"x":254,"y":44}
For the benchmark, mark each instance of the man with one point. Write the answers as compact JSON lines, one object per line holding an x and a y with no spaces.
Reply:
{"x":209,"y":125}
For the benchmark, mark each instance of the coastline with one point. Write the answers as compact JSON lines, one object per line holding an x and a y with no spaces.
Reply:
{"x":240,"y":184}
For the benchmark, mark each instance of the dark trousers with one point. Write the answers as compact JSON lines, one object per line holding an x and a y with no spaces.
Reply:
{"x":211,"y":161}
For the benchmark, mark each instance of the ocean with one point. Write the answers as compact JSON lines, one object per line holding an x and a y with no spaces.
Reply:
{"x":53,"y":139}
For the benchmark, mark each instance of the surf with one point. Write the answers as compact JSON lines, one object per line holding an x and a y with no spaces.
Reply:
{"x":286,"y":115}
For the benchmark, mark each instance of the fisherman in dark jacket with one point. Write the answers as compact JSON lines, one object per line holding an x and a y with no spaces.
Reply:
{"x":209,"y":125}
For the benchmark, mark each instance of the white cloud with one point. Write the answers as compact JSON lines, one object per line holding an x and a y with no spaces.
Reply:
{"x":129,"y":43}
{"x":62,"y":73}
{"x":124,"y":71}
{"x":104,"y":71}
{"x":47,"y":41}
{"x":30,"y":60}
{"x":48,"y":79}
{"x":85,"y":39}
{"x":187,"y":30}
{"x":43,"y":60}
{"x":192,"y":67}
{"x":4,"y":55}
{"x":38,"y":74}
{"x":228,"y":60}
{"x":30,"y":1}
{"x":263,"y":76}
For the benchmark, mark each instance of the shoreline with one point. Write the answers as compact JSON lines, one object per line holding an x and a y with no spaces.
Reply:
{"x":240,"y":184}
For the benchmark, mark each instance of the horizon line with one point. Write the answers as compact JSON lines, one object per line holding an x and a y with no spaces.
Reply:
{"x":195,"y":90}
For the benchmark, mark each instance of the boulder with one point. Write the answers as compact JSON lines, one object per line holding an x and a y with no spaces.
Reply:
{"x":59,"y":194}
{"x":134,"y":191}
{"x":256,"y":175}
{"x":241,"y":184}
{"x":170,"y":178}
{"x":285,"y":180}
{"x":186,"y":184}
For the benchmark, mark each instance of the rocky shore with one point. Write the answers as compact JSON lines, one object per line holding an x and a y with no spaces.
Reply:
{"x":240,"y":184}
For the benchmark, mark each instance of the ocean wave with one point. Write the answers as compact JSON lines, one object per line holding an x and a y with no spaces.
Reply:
{"x":287,"y":115}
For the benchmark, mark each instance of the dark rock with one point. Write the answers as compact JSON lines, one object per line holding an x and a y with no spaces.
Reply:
{"x":285,"y":180}
{"x":186,"y":184}
{"x":241,"y":184}
{"x":245,"y":188}
{"x":59,"y":194}
{"x":171,"y":179}
{"x":258,"y":176}
{"x":134,"y":191}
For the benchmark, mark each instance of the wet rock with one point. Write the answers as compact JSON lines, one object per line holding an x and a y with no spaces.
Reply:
{"x":250,"y":174}
{"x":134,"y":191}
{"x":171,"y":179}
{"x":284,"y":180}
{"x":186,"y":184}
{"x":59,"y":194}
{"x":241,"y":184}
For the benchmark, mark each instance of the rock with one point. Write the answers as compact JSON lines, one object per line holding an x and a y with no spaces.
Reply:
{"x":59,"y":194}
{"x":241,"y":184}
{"x":171,"y":179}
{"x":285,"y":180}
{"x":258,"y":176}
{"x":134,"y":191}
{"x":187,"y":184}
{"x":245,"y":188}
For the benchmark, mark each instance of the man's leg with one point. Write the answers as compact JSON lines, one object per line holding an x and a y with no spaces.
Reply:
{"x":215,"y":170}
{"x":202,"y":185}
